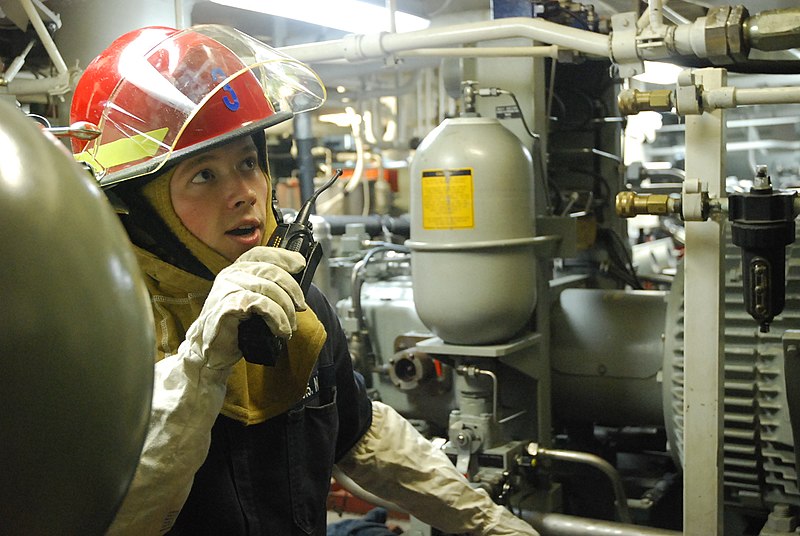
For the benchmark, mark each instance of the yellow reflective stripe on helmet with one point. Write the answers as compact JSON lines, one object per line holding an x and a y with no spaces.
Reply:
{"x":125,"y":150}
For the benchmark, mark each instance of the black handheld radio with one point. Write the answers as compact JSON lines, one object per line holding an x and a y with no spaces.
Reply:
{"x":256,"y":342}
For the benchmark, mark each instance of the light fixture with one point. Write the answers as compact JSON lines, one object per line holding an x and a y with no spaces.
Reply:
{"x":341,"y":119}
{"x":656,"y":72}
{"x":351,"y":16}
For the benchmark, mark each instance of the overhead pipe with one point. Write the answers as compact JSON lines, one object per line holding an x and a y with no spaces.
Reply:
{"x":28,"y":89}
{"x":31,"y":90}
{"x":623,"y":45}
{"x":550,"y":51}
{"x":44,"y":36}
{"x":363,"y":47}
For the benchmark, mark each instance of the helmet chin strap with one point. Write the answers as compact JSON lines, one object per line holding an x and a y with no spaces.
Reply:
{"x":276,"y":211}
{"x":260,"y":140}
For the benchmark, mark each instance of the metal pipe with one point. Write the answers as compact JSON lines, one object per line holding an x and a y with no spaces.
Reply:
{"x":179,"y":18}
{"x":674,"y":16}
{"x":730,"y":97}
{"x":357,"y":279}
{"x":598,"y":463}
{"x":26,"y":87}
{"x":654,"y":13}
{"x":564,"y":525}
{"x":472,"y":370}
{"x":391,"y":7}
{"x":17,"y":64}
{"x":305,"y":142}
{"x":374,"y":46}
{"x":550,"y":51}
{"x":44,"y":36}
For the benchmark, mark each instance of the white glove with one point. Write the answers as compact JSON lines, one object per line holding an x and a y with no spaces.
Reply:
{"x":189,"y":386}
{"x":396,"y":463}
{"x":259,"y":282}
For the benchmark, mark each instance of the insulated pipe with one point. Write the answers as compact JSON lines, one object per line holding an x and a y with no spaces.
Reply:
{"x":564,"y":525}
{"x":486,"y":52}
{"x":730,"y":97}
{"x":24,"y":88}
{"x":374,"y":46}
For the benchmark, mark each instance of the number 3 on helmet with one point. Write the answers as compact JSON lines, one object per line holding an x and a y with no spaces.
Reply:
{"x":159,"y":95}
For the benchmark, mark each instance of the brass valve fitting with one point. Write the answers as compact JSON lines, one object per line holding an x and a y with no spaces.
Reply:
{"x":630,"y":204}
{"x":633,"y":101}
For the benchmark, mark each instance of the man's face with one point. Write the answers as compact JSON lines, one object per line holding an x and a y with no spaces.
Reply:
{"x":221,"y":197}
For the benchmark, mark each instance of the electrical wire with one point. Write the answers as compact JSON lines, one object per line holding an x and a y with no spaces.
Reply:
{"x":357,"y":279}
{"x":583,"y":24}
{"x":537,"y":142}
{"x":622,"y":262}
{"x":599,"y":179}
{"x":551,"y":90}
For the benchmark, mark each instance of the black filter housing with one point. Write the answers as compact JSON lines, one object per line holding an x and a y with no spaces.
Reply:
{"x":762,"y":223}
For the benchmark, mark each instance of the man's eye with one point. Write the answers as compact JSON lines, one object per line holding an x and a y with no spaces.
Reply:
{"x":203,"y":176}
{"x":248,"y":164}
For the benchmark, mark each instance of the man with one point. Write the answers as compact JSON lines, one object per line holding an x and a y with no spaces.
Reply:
{"x":236,"y":447}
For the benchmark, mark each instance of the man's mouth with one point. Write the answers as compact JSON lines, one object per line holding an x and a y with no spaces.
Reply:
{"x":243,"y":230}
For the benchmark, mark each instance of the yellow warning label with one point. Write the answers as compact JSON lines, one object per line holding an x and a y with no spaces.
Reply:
{"x":447,"y":199}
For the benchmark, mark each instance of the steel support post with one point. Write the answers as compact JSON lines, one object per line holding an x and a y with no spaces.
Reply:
{"x":703,"y":319}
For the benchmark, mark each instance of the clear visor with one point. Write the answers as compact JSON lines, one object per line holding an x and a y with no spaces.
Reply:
{"x":169,"y":100}
{"x":288,"y":84}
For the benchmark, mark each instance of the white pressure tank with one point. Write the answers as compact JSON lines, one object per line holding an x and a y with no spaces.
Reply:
{"x":472,"y":232}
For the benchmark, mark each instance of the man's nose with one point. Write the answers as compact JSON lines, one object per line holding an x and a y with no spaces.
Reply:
{"x":242,"y":191}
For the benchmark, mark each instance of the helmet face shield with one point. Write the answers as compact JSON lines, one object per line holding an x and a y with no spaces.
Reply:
{"x":289,"y":84}
{"x":195,"y":89}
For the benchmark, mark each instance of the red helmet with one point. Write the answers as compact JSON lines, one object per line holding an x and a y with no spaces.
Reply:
{"x":158,"y":94}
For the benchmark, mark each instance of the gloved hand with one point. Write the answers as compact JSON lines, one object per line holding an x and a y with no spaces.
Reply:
{"x":189,"y":386}
{"x":258,"y":282}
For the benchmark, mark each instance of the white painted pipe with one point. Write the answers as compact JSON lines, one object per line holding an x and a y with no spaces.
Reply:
{"x":730,"y":97}
{"x":17,"y":64}
{"x":179,"y":24}
{"x":44,"y":35}
{"x":655,"y":15}
{"x":485,"y":52}
{"x":391,"y":7}
{"x":363,"y":47}
{"x":26,"y":87}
